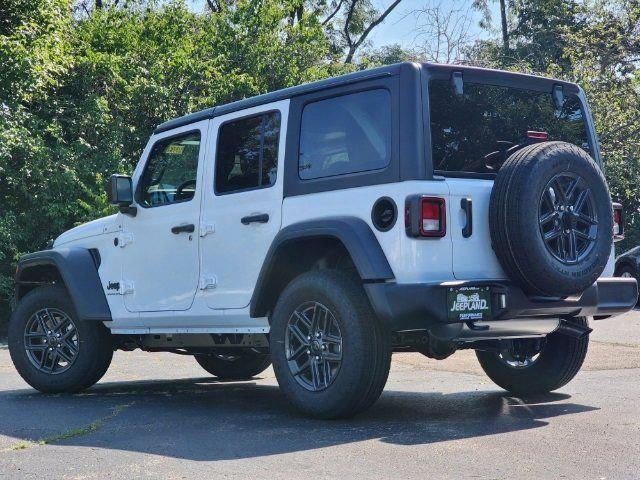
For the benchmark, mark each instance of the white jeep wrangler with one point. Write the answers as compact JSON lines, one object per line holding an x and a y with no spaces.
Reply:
{"x":414,"y":207}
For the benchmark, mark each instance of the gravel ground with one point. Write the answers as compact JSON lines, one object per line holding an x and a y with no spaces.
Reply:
{"x":161,"y":416}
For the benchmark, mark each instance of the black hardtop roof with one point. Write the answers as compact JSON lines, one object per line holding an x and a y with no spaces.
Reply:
{"x":469,"y":73}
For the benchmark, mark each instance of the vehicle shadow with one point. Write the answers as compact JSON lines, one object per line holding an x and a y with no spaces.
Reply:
{"x":202,"y":419}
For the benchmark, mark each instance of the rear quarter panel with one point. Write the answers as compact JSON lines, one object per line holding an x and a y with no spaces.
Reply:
{"x":412,"y":260}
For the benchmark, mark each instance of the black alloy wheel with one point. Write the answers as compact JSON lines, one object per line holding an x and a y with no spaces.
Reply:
{"x":52,"y":348}
{"x":313,"y":345}
{"x":51,"y":341}
{"x":567,"y":218}
{"x":330,"y":353}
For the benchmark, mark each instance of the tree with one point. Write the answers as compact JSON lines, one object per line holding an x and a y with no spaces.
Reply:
{"x":359,"y":23}
{"x":443,"y":33}
{"x":81,"y":94}
{"x":483,"y":7}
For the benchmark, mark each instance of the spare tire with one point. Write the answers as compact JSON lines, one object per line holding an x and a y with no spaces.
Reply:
{"x":551,"y":219}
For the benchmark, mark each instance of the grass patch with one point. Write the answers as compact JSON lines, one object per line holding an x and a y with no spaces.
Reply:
{"x":20,"y":446}
{"x":74,"y":432}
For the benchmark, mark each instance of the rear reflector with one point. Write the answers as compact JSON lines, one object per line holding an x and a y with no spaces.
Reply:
{"x":543,"y":136}
{"x":618,"y":222}
{"x":425,"y":216}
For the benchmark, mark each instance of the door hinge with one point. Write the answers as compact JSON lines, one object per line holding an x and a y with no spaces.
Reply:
{"x":124,"y":239}
{"x":206,"y":229}
{"x":126,"y":286}
{"x":207,"y":282}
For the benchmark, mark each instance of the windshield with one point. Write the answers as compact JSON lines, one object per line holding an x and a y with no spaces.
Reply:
{"x":474,"y":132}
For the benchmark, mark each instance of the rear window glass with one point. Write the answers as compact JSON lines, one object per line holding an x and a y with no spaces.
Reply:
{"x":346,"y":134}
{"x":247,"y":155}
{"x":472,"y":132}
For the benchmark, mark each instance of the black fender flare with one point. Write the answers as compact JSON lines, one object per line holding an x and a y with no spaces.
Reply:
{"x":353,"y":232}
{"x":79,"y":273}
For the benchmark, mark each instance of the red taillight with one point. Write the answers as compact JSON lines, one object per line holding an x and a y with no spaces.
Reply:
{"x":425,"y":216}
{"x":542,"y":136}
{"x":432,"y":220}
{"x":618,"y":222}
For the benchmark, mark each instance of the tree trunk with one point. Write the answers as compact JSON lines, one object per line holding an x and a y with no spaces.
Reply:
{"x":505,"y":32}
{"x":350,"y":54}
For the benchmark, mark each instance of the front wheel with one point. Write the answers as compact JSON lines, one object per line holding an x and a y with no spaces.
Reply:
{"x":52,"y":349}
{"x":330,"y":354}
{"x":531,"y":366}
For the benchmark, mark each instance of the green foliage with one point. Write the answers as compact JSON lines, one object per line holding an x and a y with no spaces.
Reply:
{"x":80,"y":91}
{"x":79,"y":96}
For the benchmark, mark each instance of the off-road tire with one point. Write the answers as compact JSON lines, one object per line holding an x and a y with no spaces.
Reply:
{"x":514,"y":217}
{"x":560,"y":360}
{"x":366,"y":353}
{"x":238,"y":367}
{"x":628,"y":269}
{"x":95,"y":349}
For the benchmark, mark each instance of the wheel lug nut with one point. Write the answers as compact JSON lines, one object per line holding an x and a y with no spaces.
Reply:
{"x":317,"y":357}
{"x":308,"y":352}
{"x":324,"y":347}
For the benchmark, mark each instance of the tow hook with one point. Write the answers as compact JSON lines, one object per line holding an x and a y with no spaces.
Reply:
{"x":573,"y":329}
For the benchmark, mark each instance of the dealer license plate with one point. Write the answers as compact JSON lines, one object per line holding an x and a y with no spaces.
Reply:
{"x":466,"y":304}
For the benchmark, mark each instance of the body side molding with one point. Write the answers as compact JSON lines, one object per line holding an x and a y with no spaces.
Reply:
{"x":79,"y":273}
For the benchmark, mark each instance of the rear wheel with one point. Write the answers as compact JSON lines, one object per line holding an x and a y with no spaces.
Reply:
{"x":330,"y":354}
{"x":234,"y":367}
{"x":625,"y":271}
{"x":51,"y":348}
{"x":530,"y":366}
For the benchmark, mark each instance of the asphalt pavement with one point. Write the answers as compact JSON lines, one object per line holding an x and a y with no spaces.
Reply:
{"x":162,"y":416}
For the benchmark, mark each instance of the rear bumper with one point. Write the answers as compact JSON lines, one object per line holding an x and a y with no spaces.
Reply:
{"x":424,"y":306}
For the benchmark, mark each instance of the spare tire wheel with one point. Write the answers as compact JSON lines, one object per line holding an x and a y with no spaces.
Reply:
{"x":551,"y":219}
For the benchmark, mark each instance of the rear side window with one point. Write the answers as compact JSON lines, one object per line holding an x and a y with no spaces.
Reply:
{"x":346,"y":134}
{"x":473,"y":132}
{"x":170,"y":174}
{"x":247,"y":153}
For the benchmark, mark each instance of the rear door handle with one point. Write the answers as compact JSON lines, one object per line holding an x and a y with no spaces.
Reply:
{"x":189,"y":228}
{"x":259,"y":218}
{"x":467,"y":206}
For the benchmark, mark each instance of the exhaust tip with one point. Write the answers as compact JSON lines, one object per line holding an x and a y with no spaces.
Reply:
{"x":573,"y":329}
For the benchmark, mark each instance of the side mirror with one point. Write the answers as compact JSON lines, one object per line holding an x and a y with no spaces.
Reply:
{"x":120,"y":192}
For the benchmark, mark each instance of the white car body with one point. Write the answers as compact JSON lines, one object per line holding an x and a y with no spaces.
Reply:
{"x":208,"y":277}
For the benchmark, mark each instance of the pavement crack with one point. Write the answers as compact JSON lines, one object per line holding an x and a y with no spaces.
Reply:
{"x":74,"y":432}
{"x":616,"y":344}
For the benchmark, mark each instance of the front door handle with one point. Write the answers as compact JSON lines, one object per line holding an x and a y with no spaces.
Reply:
{"x":189,"y":228}
{"x":467,"y":206}
{"x":259,"y":218}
